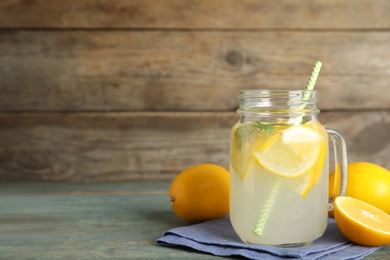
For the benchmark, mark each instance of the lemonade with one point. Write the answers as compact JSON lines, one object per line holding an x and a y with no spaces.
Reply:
{"x":279,"y":182}
{"x":279,"y":168}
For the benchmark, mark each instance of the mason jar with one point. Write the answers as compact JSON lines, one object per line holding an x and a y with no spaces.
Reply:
{"x":279,"y":167}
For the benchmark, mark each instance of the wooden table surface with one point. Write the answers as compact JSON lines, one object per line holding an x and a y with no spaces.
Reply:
{"x":91,"y":221}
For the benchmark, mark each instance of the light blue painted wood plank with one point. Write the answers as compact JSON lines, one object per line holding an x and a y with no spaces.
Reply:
{"x":21,"y":188}
{"x":94,"y":221}
{"x":65,"y":218}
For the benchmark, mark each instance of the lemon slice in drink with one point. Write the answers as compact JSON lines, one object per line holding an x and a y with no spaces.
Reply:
{"x":311,"y":178}
{"x":245,"y":139}
{"x":241,"y":160}
{"x":292,"y":153}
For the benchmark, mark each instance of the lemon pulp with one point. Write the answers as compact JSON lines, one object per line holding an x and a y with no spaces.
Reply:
{"x":292,"y":151}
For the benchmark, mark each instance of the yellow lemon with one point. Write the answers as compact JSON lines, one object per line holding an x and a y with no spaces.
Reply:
{"x":297,"y":152}
{"x":361,"y":222}
{"x":367,"y":182}
{"x":292,"y":153}
{"x":289,"y":151}
{"x":200,"y":193}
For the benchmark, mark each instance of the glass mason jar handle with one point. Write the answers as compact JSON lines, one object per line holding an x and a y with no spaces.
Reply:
{"x":340,"y":156}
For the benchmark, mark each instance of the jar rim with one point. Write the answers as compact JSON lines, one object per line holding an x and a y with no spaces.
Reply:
{"x":274,"y":92}
{"x":276,"y":101}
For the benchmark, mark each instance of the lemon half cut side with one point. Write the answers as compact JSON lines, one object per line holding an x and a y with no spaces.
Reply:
{"x":361,"y":222}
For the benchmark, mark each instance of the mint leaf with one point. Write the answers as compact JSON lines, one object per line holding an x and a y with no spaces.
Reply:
{"x":241,"y":135}
{"x":268,"y":129}
{"x":249,"y":131}
{"x":305,"y":120}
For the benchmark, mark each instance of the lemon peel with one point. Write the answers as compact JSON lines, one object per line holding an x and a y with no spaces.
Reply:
{"x":292,"y":153}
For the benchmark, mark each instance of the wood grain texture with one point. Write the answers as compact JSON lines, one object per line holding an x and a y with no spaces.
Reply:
{"x":109,"y":147}
{"x":96,"y":147}
{"x":196,"y":14}
{"x":95,"y":91}
{"x":187,"y":71}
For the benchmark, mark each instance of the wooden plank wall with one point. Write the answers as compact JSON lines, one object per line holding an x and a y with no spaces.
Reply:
{"x":126,"y":90}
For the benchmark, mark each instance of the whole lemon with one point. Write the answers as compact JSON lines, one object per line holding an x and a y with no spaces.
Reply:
{"x":200,"y":193}
{"x":367,"y":182}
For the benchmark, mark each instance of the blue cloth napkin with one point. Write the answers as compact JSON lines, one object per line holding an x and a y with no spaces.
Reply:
{"x":217,"y":237}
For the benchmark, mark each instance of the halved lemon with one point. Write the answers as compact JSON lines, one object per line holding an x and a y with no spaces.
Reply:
{"x":292,"y":153}
{"x":361,"y":222}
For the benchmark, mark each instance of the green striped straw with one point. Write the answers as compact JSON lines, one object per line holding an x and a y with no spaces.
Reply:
{"x":265,"y":211}
{"x":267,"y":207}
{"x":310,"y":84}
{"x":313,"y":78}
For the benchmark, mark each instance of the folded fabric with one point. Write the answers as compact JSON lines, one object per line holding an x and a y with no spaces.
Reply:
{"x":217,"y":237}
